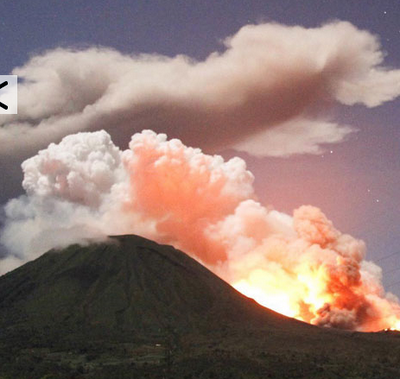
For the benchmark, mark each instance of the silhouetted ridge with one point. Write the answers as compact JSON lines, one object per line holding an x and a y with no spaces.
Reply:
{"x":131,"y":308}
{"x":129,"y":284}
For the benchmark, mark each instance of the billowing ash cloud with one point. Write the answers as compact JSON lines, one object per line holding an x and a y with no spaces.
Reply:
{"x":263,"y":94}
{"x":85,"y":188}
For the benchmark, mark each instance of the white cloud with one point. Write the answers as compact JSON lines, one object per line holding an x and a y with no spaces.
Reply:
{"x":269,"y":81}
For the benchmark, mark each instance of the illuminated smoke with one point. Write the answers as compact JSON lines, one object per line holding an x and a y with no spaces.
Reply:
{"x":86,"y":188}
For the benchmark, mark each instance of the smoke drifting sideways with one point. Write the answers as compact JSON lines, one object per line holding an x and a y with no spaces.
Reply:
{"x":266,"y":92}
{"x":85,"y":188}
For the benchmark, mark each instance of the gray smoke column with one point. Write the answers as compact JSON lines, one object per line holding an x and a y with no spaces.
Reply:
{"x":86,"y":188}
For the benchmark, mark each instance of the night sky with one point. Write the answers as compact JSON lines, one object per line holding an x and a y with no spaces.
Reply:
{"x":356,"y":183}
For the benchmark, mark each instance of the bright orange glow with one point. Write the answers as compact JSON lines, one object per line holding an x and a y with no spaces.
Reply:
{"x":395,"y":326}
{"x":300,"y":265}
{"x":302,"y":300}
{"x":278,"y":301}
{"x":306,"y":301}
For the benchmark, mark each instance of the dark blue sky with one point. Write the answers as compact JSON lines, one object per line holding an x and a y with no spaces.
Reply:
{"x":338,"y":182}
{"x":174,"y":27}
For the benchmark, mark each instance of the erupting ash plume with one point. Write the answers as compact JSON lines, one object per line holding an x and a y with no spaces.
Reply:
{"x":300,"y":265}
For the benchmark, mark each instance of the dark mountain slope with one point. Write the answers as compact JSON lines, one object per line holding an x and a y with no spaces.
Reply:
{"x":131,"y":308}
{"x":131,"y":285}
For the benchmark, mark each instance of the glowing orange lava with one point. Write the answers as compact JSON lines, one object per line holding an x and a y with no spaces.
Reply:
{"x":305,"y":301}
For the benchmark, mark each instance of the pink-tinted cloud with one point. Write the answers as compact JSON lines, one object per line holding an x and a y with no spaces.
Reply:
{"x":261,"y":94}
{"x":85,"y":188}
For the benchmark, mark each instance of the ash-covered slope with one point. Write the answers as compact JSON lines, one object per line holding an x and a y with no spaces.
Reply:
{"x":128,"y":285}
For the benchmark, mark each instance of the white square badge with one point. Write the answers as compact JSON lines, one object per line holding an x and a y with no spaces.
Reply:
{"x":8,"y":94}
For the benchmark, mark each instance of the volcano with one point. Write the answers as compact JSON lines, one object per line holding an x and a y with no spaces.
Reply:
{"x":130,"y":306}
{"x":128,"y":285}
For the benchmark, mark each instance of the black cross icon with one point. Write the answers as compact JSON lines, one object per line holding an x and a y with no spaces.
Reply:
{"x":4,"y":106}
